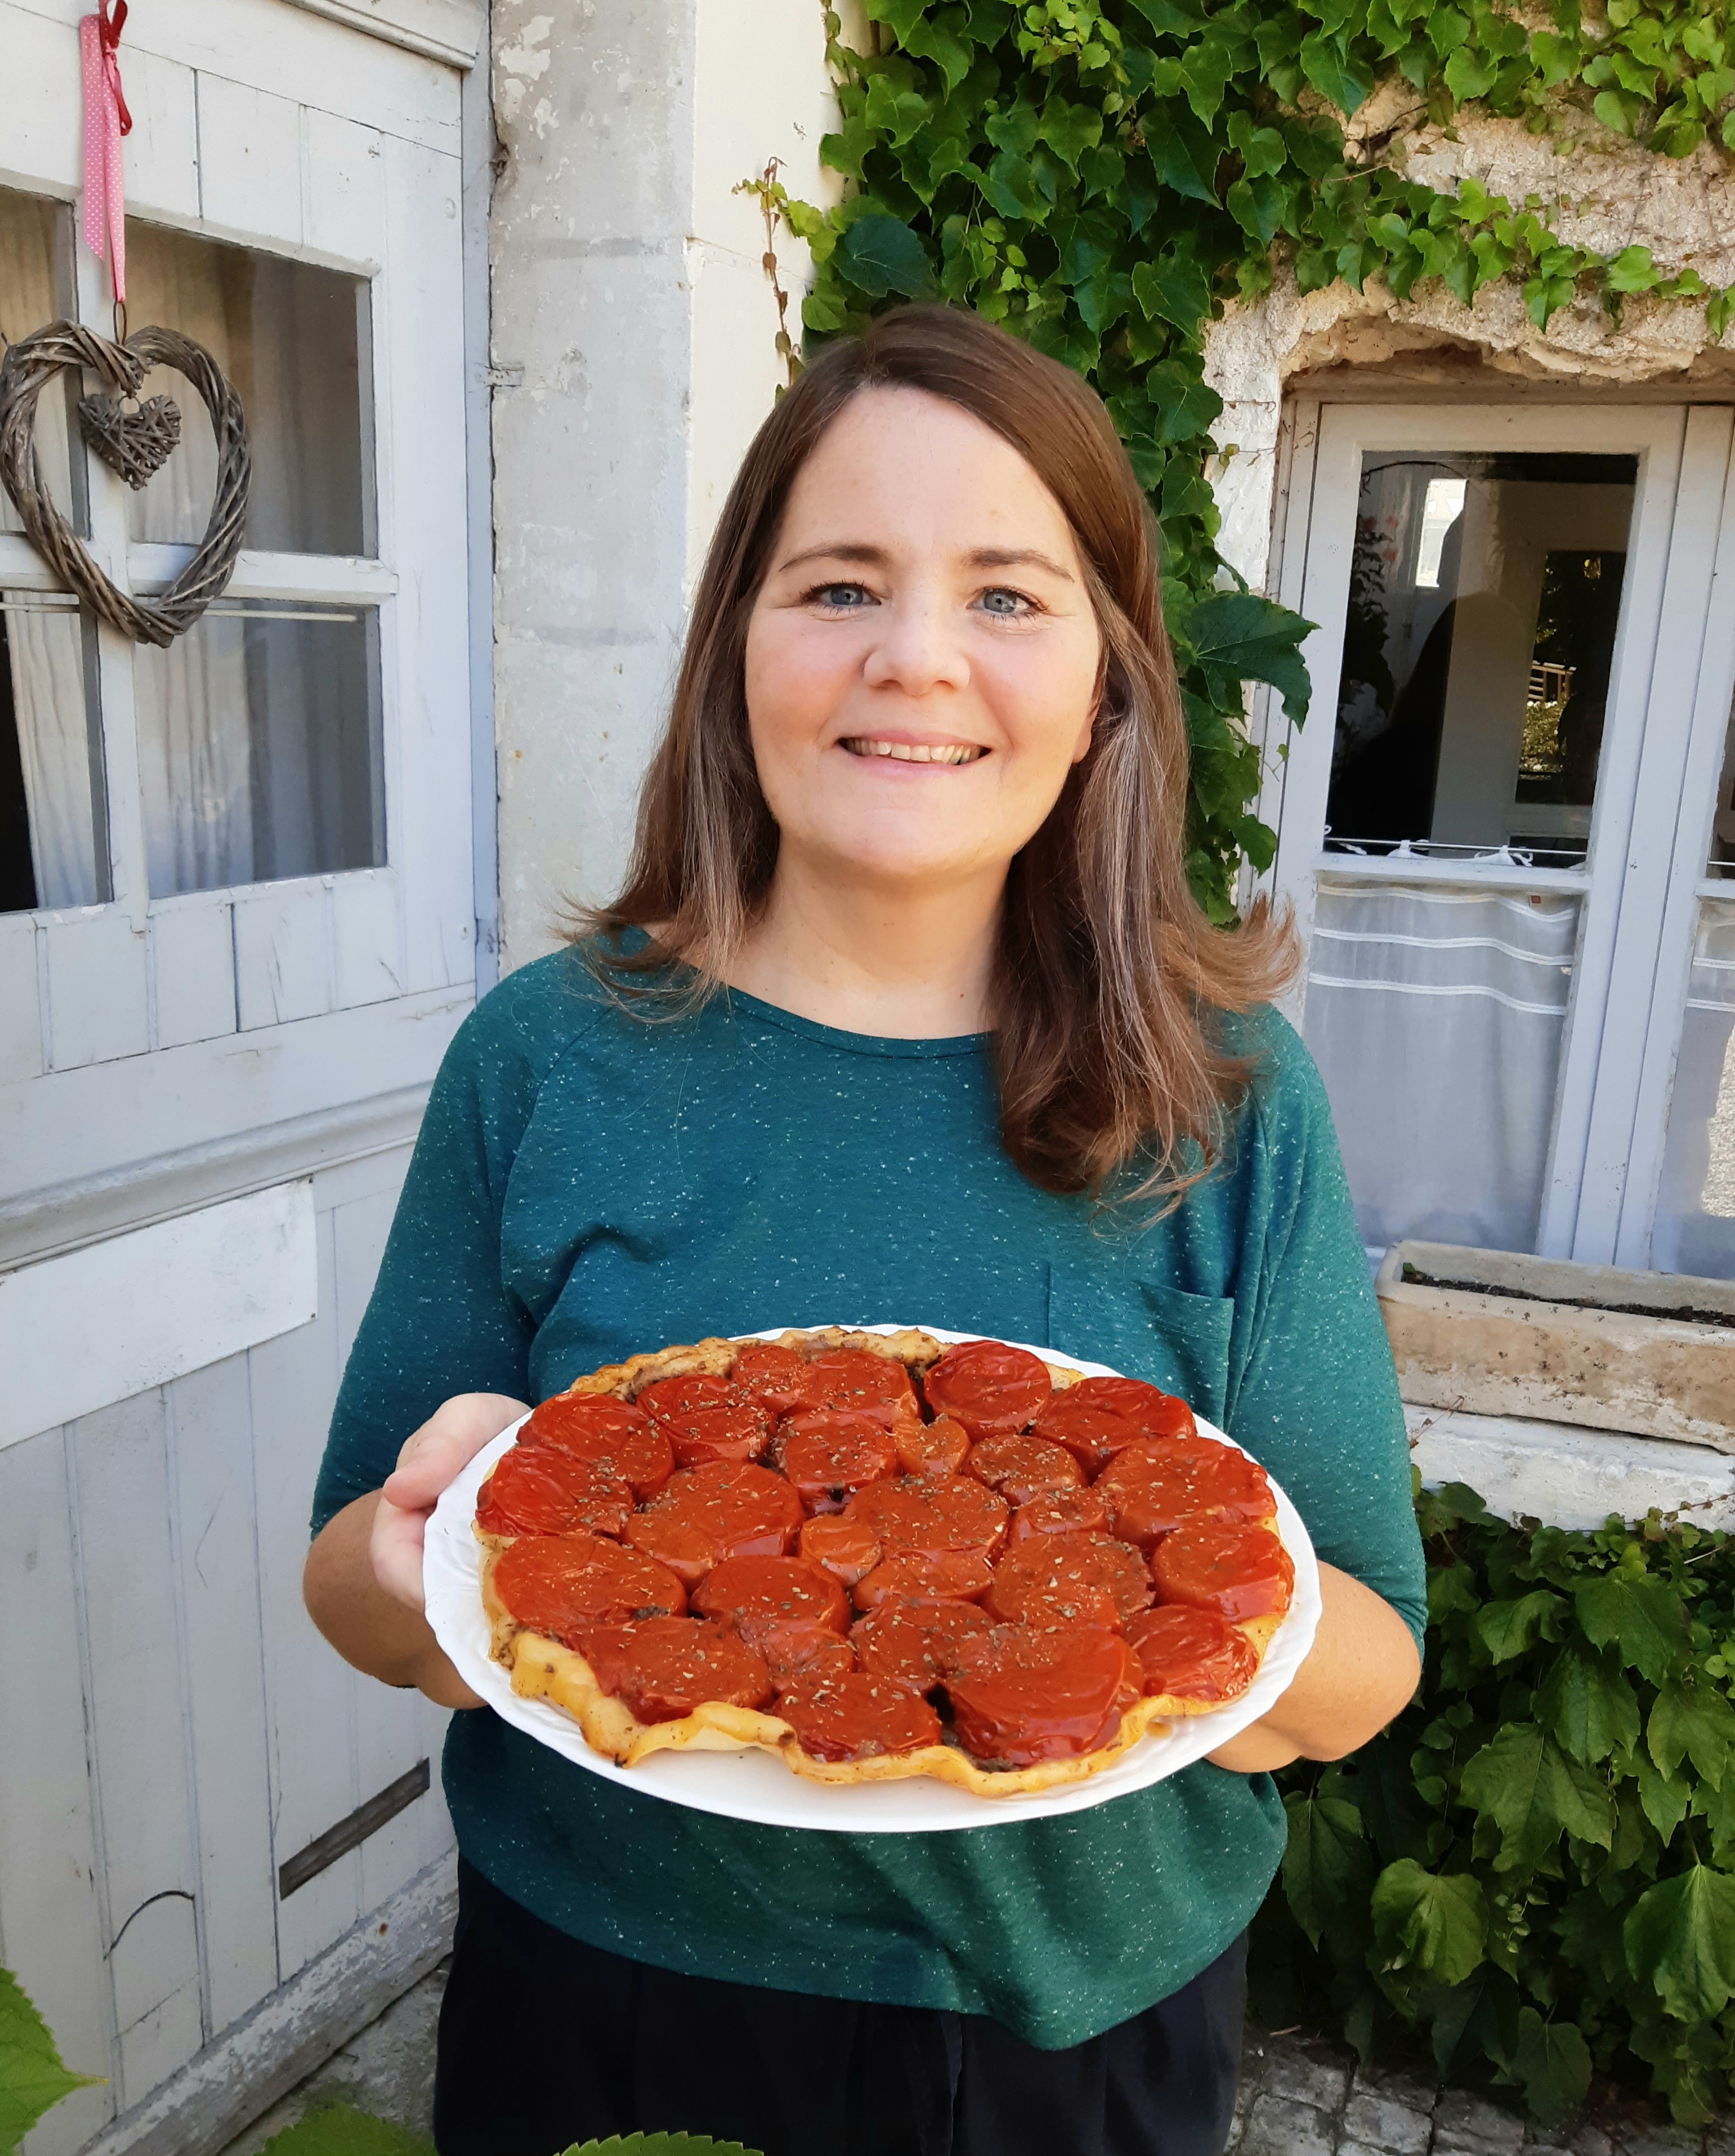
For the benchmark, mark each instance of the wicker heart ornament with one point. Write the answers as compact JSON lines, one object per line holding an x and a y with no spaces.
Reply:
{"x":133,"y":439}
{"x":129,"y":440}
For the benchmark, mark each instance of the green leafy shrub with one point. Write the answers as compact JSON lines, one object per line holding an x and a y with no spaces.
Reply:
{"x":1534,"y":1867}
{"x":31,"y":2078}
{"x":1101,"y":175}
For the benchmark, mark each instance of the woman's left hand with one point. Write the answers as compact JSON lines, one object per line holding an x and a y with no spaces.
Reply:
{"x":1360,"y":1672}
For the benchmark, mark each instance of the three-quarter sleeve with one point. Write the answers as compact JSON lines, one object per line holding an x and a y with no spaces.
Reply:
{"x":441,"y":1319}
{"x":1316,"y":1399}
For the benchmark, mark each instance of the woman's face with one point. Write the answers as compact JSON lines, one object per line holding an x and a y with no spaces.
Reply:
{"x":921,"y":661}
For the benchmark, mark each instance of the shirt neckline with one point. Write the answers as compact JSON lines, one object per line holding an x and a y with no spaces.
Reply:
{"x":851,"y":1044}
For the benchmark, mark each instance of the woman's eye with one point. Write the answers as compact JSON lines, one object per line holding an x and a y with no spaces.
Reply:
{"x":1005,"y":604}
{"x":844,"y":598}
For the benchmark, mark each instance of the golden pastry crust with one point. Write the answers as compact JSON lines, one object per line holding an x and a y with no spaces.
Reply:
{"x":542,"y":1668}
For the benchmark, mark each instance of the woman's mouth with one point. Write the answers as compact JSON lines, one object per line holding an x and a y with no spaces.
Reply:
{"x":902,"y":751}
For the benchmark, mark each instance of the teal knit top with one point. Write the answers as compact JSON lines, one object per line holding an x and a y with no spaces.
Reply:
{"x":587,"y":1185}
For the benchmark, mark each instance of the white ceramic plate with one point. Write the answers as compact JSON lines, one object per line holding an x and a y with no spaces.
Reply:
{"x":756,"y":1785}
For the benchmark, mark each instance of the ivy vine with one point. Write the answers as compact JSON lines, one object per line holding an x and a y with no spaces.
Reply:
{"x":1533,"y":1869}
{"x":1101,"y":176}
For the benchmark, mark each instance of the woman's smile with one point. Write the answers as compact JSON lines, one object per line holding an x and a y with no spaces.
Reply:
{"x":899,"y":748}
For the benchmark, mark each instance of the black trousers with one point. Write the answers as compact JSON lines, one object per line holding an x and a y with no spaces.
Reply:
{"x":544,"y":2042}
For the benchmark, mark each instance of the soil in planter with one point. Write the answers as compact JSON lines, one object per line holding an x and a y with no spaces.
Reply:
{"x":1686,"y":1314}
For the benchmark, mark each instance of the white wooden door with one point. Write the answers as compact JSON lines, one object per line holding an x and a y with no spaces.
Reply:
{"x":1431,"y":849}
{"x":249,"y":936}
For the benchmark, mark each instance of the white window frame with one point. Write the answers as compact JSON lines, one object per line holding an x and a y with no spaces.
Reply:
{"x":1651,"y":828}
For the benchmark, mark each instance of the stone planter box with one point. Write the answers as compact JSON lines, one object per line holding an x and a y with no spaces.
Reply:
{"x":1501,"y":1334}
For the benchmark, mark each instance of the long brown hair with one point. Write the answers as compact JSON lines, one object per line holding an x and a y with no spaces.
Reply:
{"x":1108,"y":977}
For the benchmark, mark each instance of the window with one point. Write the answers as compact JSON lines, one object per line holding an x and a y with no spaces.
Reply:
{"x":1507,"y":949}
{"x":257,"y":735}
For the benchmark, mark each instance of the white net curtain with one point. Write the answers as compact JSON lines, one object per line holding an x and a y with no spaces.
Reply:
{"x":1436,"y":1018}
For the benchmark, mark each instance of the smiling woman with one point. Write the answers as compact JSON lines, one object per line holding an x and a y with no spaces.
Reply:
{"x":906,"y":1014}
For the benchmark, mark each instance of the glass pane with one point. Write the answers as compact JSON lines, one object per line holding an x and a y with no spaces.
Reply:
{"x":288,"y":336}
{"x":35,"y":274}
{"x":1695,"y":1230}
{"x":1436,"y":1018}
{"x":1485,"y":593}
{"x":53,"y":838}
{"x":259,"y":750}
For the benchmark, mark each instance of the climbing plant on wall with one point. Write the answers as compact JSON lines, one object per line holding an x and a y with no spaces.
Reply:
{"x":1101,"y":176}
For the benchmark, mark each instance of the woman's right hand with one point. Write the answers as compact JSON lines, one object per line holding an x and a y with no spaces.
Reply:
{"x":429,"y":1459}
{"x":363,"y":1579}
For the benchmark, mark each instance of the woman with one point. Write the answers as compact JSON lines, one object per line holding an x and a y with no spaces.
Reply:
{"x":905,"y":1013}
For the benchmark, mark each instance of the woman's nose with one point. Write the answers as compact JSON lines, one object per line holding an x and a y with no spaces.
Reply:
{"x":919,"y":649}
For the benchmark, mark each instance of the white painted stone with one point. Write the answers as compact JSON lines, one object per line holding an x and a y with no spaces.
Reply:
{"x":1570,"y":1478}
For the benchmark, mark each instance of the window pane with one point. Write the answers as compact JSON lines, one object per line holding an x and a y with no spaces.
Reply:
{"x":35,"y":273}
{"x":1695,"y":1230}
{"x":53,"y":839}
{"x":259,"y":750}
{"x":1485,"y":593}
{"x":288,"y":336}
{"x":1436,"y":1018}
{"x":1720,"y":862}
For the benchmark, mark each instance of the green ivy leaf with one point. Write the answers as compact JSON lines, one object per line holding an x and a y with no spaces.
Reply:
{"x":1438,"y":1926}
{"x":1641,"y":1616}
{"x":1552,"y":2064}
{"x":1721,"y":310}
{"x":879,"y":254}
{"x":936,"y":38}
{"x":1695,"y":1722}
{"x":1326,"y":1864}
{"x":1680,"y":1939}
{"x":1533,"y":1793}
{"x":31,"y":2078}
{"x":1328,"y":69}
{"x":1466,"y":76}
{"x":1591,"y":1709}
{"x":1507,"y":1629}
{"x":1663,"y":1802}
{"x":1174,"y":288}
{"x":338,"y":2130}
{"x":1069,"y":130}
{"x":1238,"y":636}
{"x":1632,"y":270}
{"x":1167,"y":18}
{"x":1184,"y":155}
{"x":900,"y":17}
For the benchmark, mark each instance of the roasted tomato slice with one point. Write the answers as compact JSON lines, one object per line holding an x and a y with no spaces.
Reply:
{"x":776,"y":1375}
{"x":558,"y":1584}
{"x":1098,"y":1417}
{"x":1191,"y":1654}
{"x":538,"y":1492}
{"x":990,"y":1387}
{"x":907,"y":1576}
{"x":847,"y":1548}
{"x":821,"y":1655}
{"x":708,"y":1418}
{"x":1154,"y":1487}
{"x":830,"y":1453}
{"x":1024,"y":1696}
{"x":1070,"y":1579}
{"x":775,"y":1602}
{"x":1021,"y":1468}
{"x":726,"y":1508}
{"x":665,"y":1667}
{"x":1082,"y":1511}
{"x":610,"y":1433}
{"x":940,"y":1447}
{"x":918,"y":1643}
{"x":932,"y":1513}
{"x":874,"y":1385}
{"x":857,"y":1716}
{"x":1239,"y":1571}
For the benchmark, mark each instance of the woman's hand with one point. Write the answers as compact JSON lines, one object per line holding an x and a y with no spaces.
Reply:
{"x":1360,"y":1672}
{"x":363,"y":1577}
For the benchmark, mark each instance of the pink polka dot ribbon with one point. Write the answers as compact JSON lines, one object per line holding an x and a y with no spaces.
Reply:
{"x":106,"y":120}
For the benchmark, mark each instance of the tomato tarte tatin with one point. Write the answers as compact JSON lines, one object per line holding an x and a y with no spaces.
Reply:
{"x":877,"y":1555}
